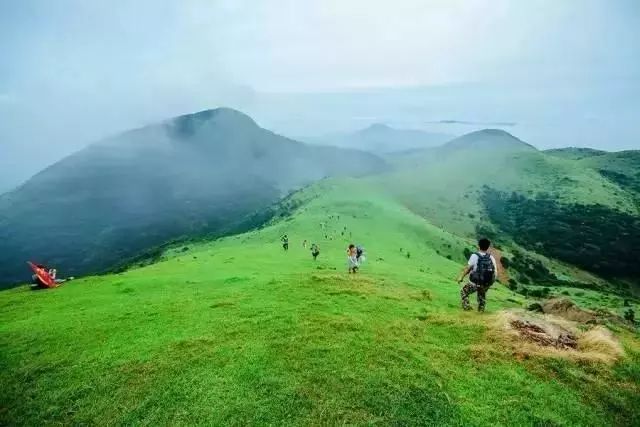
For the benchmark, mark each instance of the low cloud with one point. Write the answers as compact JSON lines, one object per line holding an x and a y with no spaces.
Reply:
{"x":472,"y":123}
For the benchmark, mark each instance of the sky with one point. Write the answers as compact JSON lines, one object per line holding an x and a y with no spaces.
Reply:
{"x":73,"y":72}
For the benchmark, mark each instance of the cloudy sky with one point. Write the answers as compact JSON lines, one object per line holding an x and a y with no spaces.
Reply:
{"x":74,"y":71}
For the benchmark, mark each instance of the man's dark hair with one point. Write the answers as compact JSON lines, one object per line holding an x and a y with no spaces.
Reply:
{"x":484,"y":244}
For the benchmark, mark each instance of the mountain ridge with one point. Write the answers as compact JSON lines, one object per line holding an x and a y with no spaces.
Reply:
{"x":196,"y":173}
{"x":381,"y":139}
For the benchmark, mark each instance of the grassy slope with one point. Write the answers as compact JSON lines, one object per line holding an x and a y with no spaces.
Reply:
{"x":237,"y":331}
{"x":443,"y":185}
{"x":574,"y":153}
{"x":626,"y":162}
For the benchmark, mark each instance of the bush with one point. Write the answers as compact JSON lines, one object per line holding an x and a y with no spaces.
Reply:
{"x":505,"y":262}
{"x":536,"y":306}
{"x":630,"y":316}
{"x":577,"y":234}
{"x":539,"y":293}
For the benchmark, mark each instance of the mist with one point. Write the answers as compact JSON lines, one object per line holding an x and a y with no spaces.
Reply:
{"x":73,"y":72}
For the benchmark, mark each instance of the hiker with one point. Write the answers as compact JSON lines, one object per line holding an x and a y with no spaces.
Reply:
{"x":315,"y":251}
{"x":352,"y":259}
{"x":285,"y":242}
{"x":304,"y":244}
{"x":483,"y":268}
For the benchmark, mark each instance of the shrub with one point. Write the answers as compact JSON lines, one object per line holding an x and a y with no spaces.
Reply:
{"x":577,"y":234}
{"x":506,"y":262}
{"x":536,"y":306}
{"x":630,"y":316}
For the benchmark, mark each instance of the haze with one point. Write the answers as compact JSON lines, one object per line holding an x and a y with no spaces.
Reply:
{"x":552,"y":73}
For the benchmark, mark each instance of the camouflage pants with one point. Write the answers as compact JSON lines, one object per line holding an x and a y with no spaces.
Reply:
{"x":470,"y":288}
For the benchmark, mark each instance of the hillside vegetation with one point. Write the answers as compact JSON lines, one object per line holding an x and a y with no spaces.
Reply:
{"x":239,"y":332}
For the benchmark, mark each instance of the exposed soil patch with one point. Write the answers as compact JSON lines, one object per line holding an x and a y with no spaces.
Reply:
{"x":545,"y":335}
{"x":503,"y":274}
{"x":540,"y":335}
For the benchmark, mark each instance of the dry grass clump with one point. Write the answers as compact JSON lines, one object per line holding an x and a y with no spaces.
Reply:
{"x":541,"y":335}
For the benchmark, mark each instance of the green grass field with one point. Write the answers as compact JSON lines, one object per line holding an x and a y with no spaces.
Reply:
{"x":443,"y":185}
{"x":238,"y":332}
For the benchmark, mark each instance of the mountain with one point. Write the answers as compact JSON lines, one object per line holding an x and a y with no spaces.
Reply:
{"x":444,"y":182}
{"x":196,"y":174}
{"x":382,"y":139}
{"x":237,"y":332}
{"x":492,"y":183}
{"x":487,"y":139}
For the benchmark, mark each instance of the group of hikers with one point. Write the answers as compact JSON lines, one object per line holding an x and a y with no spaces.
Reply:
{"x":481,"y":268}
{"x":355,"y":254}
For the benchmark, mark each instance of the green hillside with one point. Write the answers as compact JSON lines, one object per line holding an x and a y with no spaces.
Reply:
{"x":444,"y":184}
{"x":574,"y":153}
{"x":238,"y":332}
{"x":491,"y":183}
{"x":193,"y":175}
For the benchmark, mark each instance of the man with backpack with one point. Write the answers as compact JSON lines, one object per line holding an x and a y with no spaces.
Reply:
{"x":484,"y":269}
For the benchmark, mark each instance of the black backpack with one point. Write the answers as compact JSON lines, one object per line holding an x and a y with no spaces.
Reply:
{"x":485,"y":273}
{"x":359,"y":252}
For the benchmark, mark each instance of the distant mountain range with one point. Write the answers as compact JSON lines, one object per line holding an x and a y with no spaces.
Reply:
{"x":382,"y":139}
{"x":196,"y":174}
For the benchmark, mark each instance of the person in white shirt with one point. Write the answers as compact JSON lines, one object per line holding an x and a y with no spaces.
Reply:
{"x":483,"y":270}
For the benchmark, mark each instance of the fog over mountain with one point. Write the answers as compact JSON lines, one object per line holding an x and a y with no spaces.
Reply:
{"x":73,"y":72}
{"x":383,"y":139}
{"x":204,"y":174}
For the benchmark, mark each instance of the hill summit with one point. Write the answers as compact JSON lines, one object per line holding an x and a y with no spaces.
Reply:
{"x":188,"y":124}
{"x":488,"y":138}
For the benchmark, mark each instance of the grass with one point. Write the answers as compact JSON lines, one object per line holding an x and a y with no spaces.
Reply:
{"x":238,"y":332}
{"x":444,"y":186}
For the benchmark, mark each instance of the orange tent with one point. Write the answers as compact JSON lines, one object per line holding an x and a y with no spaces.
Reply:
{"x":43,"y":275}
